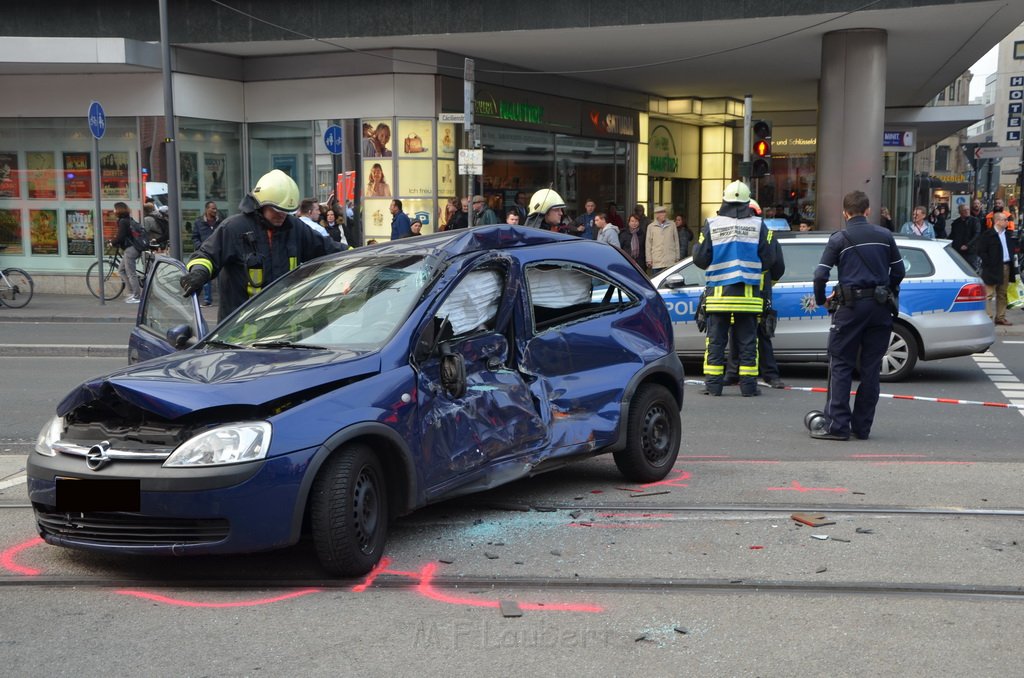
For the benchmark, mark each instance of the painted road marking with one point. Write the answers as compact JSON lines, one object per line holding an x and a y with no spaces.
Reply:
{"x":1002,"y":378}
{"x":11,"y":482}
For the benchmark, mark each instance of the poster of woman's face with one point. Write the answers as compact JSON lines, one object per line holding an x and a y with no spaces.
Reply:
{"x":377,"y":178}
{"x":377,"y":138}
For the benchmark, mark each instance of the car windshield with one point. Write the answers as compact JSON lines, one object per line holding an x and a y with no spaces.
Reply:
{"x":353,"y":303}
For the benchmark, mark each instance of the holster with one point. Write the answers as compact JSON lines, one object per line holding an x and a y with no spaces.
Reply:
{"x":700,"y":315}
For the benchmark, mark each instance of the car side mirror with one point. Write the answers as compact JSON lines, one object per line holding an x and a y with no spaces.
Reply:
{"x":180,"y":336}
{"x":439,"y":331}
{"x":674,"y":282}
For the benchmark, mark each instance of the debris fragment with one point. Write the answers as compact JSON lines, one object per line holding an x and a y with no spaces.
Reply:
{"x":577,"y":498}
{"x":756,"y":548}
{"x":597,"y":492}
{"x":680,"y":629}
{"x":556,"y":552}
{"x":650,"y":494}
{"x":864,"y":530}
{"x":490,"y":556}
{"x":857,"y":493}
{"x":447,"y":560}
{"x":820,"y":570}
{"x":478,"y":521}
{"x":576,"y":514}
{"x":641,"y":637}
{"x":822,"y":537}
{"x":507,"y":506}
{"x":510,"y":608}
{"x":840,"y":539}
{"x":812,"y":519}
{"x":544,"y":509}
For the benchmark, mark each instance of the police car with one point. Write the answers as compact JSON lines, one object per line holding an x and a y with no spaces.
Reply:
{"x":942,"y":306}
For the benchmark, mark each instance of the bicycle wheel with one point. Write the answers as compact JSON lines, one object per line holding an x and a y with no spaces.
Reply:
{"x":17,"y":291}
{"x":113,"y":284}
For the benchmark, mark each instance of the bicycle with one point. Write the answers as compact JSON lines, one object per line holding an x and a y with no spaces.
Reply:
{"x":113,"y":283}
{"x":16,"y":286}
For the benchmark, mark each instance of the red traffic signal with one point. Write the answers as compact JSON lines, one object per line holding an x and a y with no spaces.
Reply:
{"x":762,"y":149}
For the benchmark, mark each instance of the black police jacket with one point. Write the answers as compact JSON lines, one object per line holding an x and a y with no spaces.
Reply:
{"x":866,"y":255}
{"x":247,"y":253}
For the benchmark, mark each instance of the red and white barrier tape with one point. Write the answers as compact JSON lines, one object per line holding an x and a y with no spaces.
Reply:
{"x":948,"y":401}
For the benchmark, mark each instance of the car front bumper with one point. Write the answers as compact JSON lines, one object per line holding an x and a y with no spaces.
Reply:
{"x":237,"y":508}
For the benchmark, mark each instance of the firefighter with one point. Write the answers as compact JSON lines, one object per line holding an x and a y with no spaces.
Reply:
{"x":734,"y":247}
{"x":546,"y":209}
{"x":257,"y":246}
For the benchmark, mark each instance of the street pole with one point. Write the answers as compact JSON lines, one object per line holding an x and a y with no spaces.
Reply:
{"x":748,"y":105}
{"x":467,"y":108}
{"x":174,"y":214}
{"x":97,"y":222}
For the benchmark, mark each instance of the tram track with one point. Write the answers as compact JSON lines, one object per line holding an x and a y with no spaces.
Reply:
{"x":482,"y":584}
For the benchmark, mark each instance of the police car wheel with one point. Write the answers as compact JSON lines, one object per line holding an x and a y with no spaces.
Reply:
{"x":901,"y":355}
{"x":653,"y":434}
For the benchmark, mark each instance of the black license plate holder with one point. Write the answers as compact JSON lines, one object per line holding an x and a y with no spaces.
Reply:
{"x":79,"y":495}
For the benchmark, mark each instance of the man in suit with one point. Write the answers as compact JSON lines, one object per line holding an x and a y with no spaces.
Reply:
{"x":995,"y":247}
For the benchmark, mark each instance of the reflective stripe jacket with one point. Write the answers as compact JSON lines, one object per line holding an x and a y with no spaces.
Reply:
{"x":251,"y":253}
{"x":734,"y":248}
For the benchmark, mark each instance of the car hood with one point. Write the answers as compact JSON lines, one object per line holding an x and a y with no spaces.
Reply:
{"x":181,"y":383}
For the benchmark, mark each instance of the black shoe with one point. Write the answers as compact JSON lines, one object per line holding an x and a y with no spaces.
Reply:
{"x":860,"y":436}
{"x":828,"y":435}
{"x":775,"y":383}
{"x":748,"y":393}
{"x":712,"y":390}
{"x":731,"y":381}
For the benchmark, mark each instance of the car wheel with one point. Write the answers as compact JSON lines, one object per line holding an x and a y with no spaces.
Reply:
{"x":349,"y":512}
{"x":901,"y":356}
{"x":652,"y":437}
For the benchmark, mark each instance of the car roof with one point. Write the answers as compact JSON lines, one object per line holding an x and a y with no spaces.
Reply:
{"x":825,"y":235}
{"x":477,"y":239}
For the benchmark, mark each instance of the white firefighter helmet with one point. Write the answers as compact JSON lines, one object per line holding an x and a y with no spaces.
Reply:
{"x":737,"y":191}
{"x":277,"y":189}
{"x":544,"y":201}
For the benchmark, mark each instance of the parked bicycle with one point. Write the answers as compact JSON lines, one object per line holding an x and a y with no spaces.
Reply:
{"x":16,"y":286}
{"x":113,"y":283}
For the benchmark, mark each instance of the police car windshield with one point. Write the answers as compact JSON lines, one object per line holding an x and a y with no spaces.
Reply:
{"x":351,"y":303}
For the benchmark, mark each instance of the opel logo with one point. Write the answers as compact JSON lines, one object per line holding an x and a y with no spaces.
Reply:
{"x":96,"y":458}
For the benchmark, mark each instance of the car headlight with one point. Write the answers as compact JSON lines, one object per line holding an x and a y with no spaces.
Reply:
{"x":230,"y":444}
{"x":49,"y":435}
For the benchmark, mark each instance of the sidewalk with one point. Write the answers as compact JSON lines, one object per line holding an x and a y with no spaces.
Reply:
{"x":59,"y":308}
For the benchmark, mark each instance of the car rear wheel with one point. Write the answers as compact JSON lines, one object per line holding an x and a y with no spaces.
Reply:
{"x":901,"y":356}
{"x":652,"y":437}
{"x":349,"y":511}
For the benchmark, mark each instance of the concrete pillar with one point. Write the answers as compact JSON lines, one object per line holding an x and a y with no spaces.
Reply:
{"x":851,"y":121}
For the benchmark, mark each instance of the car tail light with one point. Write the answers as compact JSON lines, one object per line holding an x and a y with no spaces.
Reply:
{"x":971,"y":292}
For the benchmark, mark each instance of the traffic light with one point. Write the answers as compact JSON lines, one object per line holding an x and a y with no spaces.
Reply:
{"x":761,"y":151}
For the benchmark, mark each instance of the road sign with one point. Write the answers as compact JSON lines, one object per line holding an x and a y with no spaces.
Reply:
{"x":458,"y":118}
{"x":995,"y":152}
{"x":332,"y":139}
{"x":471,"y":161}
{"x":97,"y":120}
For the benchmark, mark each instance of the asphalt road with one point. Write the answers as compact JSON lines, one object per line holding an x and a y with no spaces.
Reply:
{"x":703,"y":574}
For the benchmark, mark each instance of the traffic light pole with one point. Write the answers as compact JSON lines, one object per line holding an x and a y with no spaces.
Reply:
{"x":748,"y":105}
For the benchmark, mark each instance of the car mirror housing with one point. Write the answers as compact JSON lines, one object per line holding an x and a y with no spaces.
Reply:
{"x":674,"y":282}
{"x":180,"y":336}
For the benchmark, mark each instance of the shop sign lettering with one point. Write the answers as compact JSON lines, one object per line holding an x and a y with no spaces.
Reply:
{"x":513,"y":111}
{"x":662,"y":156}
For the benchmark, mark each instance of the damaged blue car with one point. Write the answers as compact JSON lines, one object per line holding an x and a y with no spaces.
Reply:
{"x":360,"y":387}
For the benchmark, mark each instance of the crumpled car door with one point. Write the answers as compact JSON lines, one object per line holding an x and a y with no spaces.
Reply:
{"x":167,"y":321}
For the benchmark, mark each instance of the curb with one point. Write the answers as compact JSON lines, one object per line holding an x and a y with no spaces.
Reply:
{"x":64,"y":350}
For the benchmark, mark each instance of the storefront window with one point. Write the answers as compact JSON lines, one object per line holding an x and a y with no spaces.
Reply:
{"x":47,"y":203}
{"x":210,"y":168}
{"x":286,"y":146}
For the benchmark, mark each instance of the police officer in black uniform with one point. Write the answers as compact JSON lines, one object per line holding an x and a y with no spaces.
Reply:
{"x":865,"y":301}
